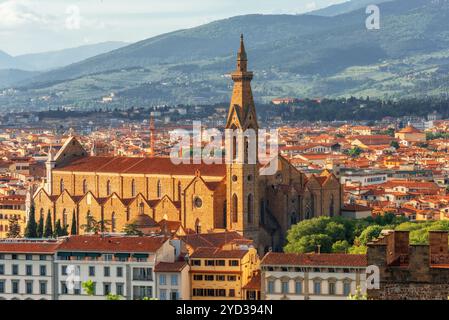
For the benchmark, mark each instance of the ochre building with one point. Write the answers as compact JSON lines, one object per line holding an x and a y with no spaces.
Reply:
{"x":203,"y":197}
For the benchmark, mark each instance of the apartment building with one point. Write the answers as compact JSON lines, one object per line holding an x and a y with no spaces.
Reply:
{"x":56,"y":269}
{"x":289,"y":276}
{"x":27,"y":269}
{"x":12,"y":206}
{"x":222,"y":273}
{"x":115,"y":264}
{"x":173,"y":281}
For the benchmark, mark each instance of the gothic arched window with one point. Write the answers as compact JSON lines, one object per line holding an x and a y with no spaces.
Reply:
{"x":159,"y":189}
{"x":197,"y":226}
{"x":234,"y":148}
{"x":61,"y":185}
{"x":225,"y":222}
{"x":179,"y":191}
{"x":250,"y":208}
{"x":64,"y":218}
{"x":141,"y":208}
{"x":331,"y":207}
{"x":84,"y":186}
{"x":133,"y":188}
{"x":108,"y":188}
{"x":235,"y":214}
{"x":113,"y":222}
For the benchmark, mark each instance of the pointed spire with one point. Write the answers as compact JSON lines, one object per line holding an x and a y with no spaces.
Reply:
{"x":242,"y":51}
{"x":241,"y":56}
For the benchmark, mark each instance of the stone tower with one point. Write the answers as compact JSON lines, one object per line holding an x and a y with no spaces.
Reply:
{"x":242,"y":172}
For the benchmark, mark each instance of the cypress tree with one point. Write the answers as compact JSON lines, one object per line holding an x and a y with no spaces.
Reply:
{"x":40,"y":227}
{"x":73,"y":228}
{"x":31,"y":228}
{"x":14,"y":228}
{"x":48,"y":232}
{"x":58,"y":229}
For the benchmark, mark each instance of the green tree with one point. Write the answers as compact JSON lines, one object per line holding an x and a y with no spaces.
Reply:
{"x":355,"y":152}
{"x":111,"y":296}
{"x":58,"y":229}
{"x":130,"y":229}
{"x":94,"y":226}
{"x":40,"y":226}
{"x":48,"y":231}
{"x":369,"y":234}
{"x":73,"y":228}
{"x":395,"y":144}
{"x":341,"y":246}
{"x":14,"y":227}
{"x":360,"y":249}
{"x":358,"y":295}
{"x":31,"y":227}
{"x":89,"y":287}
{"x":310,"y":243}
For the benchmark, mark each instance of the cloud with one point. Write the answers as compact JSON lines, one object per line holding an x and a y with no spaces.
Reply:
{"x":73,"y":20}
{"x":16,"y":13}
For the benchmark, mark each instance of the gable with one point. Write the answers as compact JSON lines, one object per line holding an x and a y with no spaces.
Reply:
{"x":71,"y":150}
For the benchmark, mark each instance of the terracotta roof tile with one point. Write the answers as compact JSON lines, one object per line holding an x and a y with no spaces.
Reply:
{"x":157,"y":165}
{"x":324,"y":259}
{"x":112,"y":243}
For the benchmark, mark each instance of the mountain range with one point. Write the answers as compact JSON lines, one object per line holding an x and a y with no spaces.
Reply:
{"x":328,"y":53}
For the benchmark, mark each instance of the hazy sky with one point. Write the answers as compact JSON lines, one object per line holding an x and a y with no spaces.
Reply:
{"x":28,"y":26}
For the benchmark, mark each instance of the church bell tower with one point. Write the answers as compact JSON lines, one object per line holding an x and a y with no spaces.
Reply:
{"x":242,"y":172}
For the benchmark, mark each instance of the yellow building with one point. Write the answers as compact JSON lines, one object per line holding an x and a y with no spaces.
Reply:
{"x":203,"y":197}
{"x":12,"y":206}
{"x":222,"y":273}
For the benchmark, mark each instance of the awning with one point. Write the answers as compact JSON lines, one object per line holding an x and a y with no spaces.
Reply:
{"x":78,"y":254}
{"x":140,"y":255}
{"x":122,"y":255}
{"x":93,"y":254}
{"x":64,"y":254}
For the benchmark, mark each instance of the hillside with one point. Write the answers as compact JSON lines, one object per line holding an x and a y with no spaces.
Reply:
{"x":292,"y":55}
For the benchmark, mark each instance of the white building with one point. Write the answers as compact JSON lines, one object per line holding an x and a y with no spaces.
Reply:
{"x":288,"y":276}
{"x":173,"y":282}
{"x":117,"y":265}
{"x":26,"y":269}
{"x":362,"y":177}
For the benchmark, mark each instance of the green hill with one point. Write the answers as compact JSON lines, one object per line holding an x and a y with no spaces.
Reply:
{"x":292,"y":55}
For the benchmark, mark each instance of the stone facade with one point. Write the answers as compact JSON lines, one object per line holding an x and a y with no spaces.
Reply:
{"x":204,"y":198}
{"x":410,"y":272}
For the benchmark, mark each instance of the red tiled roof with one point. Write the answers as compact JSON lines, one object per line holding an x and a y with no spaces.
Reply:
{"x":218,"y":253}
{"x":215,"y":240}
{"x":157,"y":165}
{"x":112,"y":244}
{"x":29,"y":247}
{"x":176,"y":266}
{"x":254,"y":283}
{"x":355,"y":207}
{"x":324,"y":259}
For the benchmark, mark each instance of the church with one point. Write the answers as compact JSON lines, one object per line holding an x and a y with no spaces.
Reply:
{"x":201,"y":197}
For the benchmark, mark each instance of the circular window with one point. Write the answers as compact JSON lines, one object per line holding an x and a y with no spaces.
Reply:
{"x":234,"y":178}
{"x":198,"y":202}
